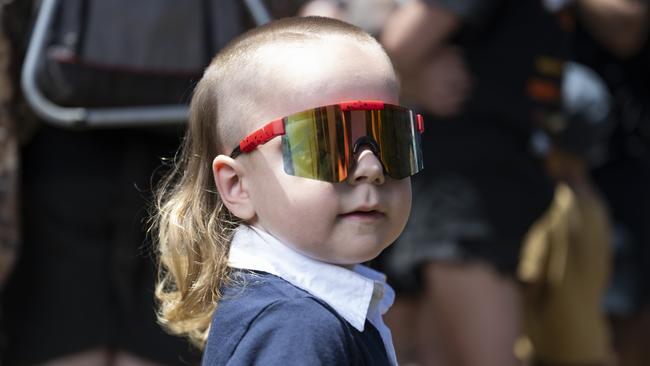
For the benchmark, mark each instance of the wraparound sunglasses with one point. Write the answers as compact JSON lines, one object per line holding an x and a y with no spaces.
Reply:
{"x":320,"y":143}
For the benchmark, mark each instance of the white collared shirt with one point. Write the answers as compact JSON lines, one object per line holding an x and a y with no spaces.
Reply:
{"x":356,"y":295}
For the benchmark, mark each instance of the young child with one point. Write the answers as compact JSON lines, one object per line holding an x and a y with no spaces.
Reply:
{"x":295,"y":169}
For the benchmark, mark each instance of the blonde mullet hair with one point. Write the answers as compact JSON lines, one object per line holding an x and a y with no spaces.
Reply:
{"x":192,"y":226}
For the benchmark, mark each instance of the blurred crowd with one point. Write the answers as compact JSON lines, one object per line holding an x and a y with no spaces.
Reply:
{"x":529,"y":238}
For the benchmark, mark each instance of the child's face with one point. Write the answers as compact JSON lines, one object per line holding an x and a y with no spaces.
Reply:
{"x":343,"y":223}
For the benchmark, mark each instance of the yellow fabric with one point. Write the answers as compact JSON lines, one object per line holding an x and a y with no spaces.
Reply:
{"x":565,"y":261}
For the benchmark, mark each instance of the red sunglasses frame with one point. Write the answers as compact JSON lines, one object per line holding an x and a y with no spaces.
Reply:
{"x":276,"y":127}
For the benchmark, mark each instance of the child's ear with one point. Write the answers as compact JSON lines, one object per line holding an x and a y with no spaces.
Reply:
{"x":228,"y":175}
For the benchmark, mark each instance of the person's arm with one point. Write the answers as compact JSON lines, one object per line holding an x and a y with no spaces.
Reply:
{"x":620,"y":25}
{"x":415,"y":31}
{"x":322,"y":8}
{"x":433,"y":74}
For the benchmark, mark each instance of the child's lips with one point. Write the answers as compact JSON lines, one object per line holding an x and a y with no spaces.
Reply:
{"x":363,"y":215}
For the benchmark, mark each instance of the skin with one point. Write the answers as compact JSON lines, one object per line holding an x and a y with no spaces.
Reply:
{"x":619,"y":25}
{"x":434,"y":74}
{"x":343,"y":223}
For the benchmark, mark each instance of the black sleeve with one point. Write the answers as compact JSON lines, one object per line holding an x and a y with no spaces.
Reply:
{"x":296,"y":332}
{"x":471,"y":11}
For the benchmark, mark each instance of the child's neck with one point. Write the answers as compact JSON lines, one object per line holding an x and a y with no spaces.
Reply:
{"x":256,"y":226}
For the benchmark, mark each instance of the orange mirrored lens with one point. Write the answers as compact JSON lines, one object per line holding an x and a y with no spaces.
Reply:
{"x":319,"y":143}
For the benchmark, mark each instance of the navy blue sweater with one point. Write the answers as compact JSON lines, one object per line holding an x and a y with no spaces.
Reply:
{"x":264,"y":320}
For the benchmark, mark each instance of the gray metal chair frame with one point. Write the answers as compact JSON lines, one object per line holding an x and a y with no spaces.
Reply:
{"x":75,"y":117}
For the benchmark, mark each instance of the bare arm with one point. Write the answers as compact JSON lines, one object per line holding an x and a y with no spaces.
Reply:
{"x":415,"y":31}
{"x":433,"y":73}
{"x":620,"y":25}
{"x":323,"y":8}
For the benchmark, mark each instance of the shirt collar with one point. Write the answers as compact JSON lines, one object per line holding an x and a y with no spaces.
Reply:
{"x":355,"y":294}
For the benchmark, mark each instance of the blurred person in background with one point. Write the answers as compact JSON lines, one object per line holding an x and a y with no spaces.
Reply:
{"x":612,"y":39}
{"x":566,"y":264}
{"x":487,"y":72}
{"x":14,"y":124}
{"x":8,"y":161}
{"x":565,"y":261}
{"x":9,"y":141}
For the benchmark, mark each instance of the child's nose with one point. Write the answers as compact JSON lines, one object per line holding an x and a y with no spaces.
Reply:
{"x":367,"y":168}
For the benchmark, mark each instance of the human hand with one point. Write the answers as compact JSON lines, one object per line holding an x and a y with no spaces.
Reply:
{"x":442,"y":84}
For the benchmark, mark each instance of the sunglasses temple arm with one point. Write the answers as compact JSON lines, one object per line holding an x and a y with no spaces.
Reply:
{"x":420,"y":123}
{"x":235,"y":152}
{"x":259,"y":137}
